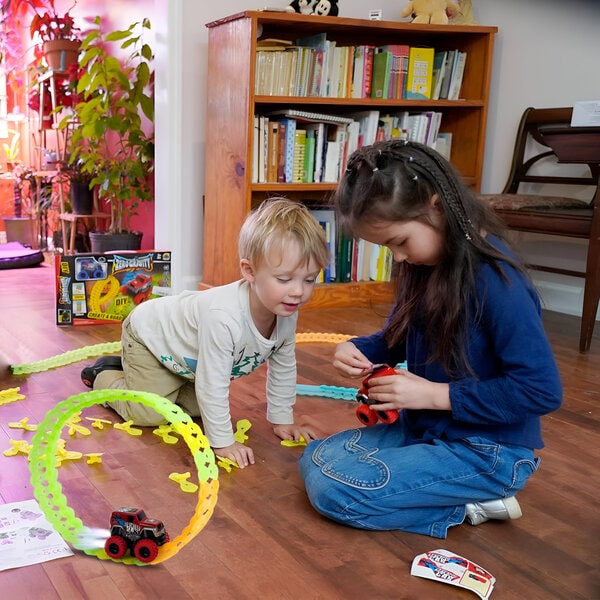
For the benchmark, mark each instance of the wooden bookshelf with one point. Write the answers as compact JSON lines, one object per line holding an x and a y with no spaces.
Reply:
{"x":231,"y":105}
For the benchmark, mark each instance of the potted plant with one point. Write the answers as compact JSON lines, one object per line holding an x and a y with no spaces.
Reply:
{"x":113,"y":127}
{"x":81,"y":190}
{"x":56,"y":32}
{"x":23,"y":226}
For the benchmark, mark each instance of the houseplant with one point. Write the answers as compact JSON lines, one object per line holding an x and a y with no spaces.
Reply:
{"x":113,"y":127}
{"x":57,"y":33}
{"x":81,"y":192}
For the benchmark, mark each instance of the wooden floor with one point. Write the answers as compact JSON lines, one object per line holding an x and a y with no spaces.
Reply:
{"x":264,"y":540}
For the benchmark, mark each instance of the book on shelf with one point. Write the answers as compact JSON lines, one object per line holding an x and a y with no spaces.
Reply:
{"x":439,"y":69}
{"x":318,"y":45}
{"x":327,"y":218}
{"x":382,"y":66}
{"x":368,"y":121}
{"x":443,"y":144}
{"x":289,"y":125}
{"x":255,"y":141}
{"x":349,"y":66}
{"x":309,"y":155}
{"x":344,"y":257}
{"x":334,"y":153}
{"x":262,"y":146}
{"x":398,"y":69}
{"x":281,"y":151}
{"x":368,"y":71}
{"x":273,"y":44}
{"x":320,"y":135}
{"x":380,"y":263}
{"x":358,"y":71}
{"x":298,"y":175}
{"x":457,"y":75}
{"x":445,"y":86}
{"x":420,"y":73}
{"x":352,"y":135}
{"x":307,"y":115}
{"x":273,"y":151}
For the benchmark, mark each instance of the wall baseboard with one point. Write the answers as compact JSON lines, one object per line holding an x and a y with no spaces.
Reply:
{"x":560,"y":293}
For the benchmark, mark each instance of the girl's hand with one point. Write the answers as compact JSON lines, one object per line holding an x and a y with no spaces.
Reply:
{"x":240,"y":454}
{"x":295,"y":432}
{"x":407,"y":390}
{"x":349,"y":360}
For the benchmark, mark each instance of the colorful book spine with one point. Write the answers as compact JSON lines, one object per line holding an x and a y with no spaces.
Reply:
{"x":288,"y":159}
{"x":298,"y":175}
{"x":382,"y":66}
{"x":420,"y":73}
{"x":368,"y":71}
{"x":273,"y":154}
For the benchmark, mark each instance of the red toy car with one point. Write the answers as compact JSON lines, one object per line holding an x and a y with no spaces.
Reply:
{"x":131,"y":529}
{"x":367,"y":415}
{"x":139,"y":288}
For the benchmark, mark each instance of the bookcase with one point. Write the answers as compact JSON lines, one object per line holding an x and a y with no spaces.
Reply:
{"x":230,"y":190}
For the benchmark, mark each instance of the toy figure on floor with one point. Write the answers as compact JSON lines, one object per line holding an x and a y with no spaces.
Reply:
{"x":188,"y":347}
{"x":480,"y":370}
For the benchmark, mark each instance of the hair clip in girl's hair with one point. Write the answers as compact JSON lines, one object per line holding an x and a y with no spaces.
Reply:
{"x":375,"y":169}
{"x":415,"y":177}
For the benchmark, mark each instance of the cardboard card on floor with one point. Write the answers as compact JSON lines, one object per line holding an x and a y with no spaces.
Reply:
{"x":447,"y":567}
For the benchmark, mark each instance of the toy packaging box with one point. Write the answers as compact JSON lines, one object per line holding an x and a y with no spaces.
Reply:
{"x":105,"y":288}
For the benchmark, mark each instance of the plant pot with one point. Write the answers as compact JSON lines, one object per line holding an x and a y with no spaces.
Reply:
{"x":103,"y":241}
{"x":61,"y":54}
{"x":82,"y":198}
{"x":21,"y":229}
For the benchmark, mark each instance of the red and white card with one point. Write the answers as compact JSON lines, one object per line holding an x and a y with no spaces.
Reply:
{"x":447,"y":567}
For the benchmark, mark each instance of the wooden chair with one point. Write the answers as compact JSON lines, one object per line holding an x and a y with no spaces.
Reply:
{"x":553,"y":214}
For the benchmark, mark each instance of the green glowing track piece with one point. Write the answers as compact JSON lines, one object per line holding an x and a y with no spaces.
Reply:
{"x":48,"y":491}
{"x":67,"y":358}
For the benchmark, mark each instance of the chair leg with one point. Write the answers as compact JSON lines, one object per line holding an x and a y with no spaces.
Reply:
{"x":591,"y":294}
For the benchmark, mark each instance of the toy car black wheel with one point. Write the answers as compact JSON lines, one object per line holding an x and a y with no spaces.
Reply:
{"x":388,"y":416}
{"x":365,"y":415}
{"x":145,"y":550}
{"x":115,"y":546}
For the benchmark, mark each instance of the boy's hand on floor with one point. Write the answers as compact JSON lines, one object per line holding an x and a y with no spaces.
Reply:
{"x":240,"y":454}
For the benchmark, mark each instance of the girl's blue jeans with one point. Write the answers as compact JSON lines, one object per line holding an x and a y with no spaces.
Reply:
{"x":378,"y":478}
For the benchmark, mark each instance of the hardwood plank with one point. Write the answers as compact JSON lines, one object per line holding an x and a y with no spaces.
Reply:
{"x":264,"y":539}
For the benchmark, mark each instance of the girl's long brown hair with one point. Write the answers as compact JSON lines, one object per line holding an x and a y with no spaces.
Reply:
{"x":395,"y":181}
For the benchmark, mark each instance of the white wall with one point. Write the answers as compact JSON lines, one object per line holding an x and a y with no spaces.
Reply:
{"x":546,"y":54}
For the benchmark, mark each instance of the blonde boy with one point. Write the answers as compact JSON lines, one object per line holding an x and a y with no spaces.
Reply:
{"x":188,"y":347}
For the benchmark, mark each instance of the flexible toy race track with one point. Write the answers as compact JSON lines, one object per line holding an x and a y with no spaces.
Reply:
{"x":73,"y":356}
{"x":48,"y":490}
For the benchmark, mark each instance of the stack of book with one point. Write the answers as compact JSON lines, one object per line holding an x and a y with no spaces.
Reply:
{"x":316,"y":66}
{"x":351,"y":259}
{"x":297,"y":146}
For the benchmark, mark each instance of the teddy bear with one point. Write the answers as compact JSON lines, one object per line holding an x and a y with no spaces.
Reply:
{"x":430,"y":11}
{"x":304,"y":7}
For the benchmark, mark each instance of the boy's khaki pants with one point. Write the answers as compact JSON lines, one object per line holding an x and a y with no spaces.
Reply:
{"x":144,"y":373}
